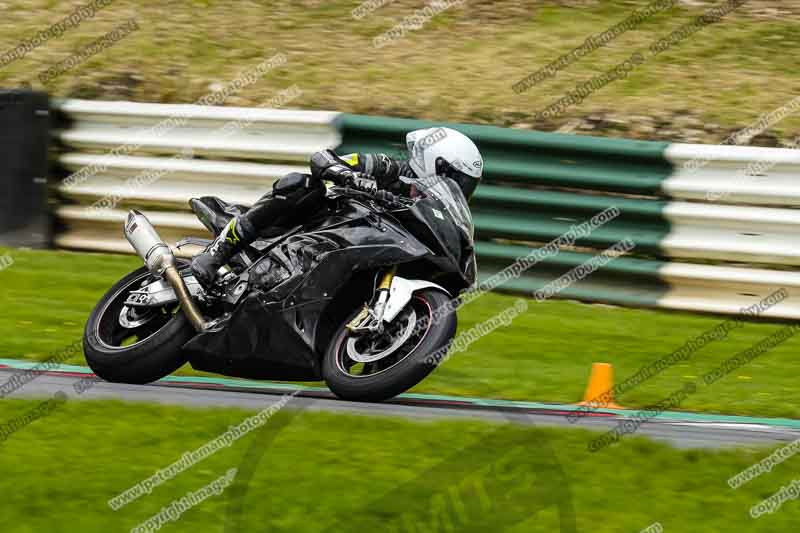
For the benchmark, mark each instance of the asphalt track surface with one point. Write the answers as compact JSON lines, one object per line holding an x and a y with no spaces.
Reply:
{"x":683,"y":430}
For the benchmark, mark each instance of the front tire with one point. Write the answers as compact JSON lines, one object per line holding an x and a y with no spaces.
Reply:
{"x":406,"y":365}
{"x":148,"y":349}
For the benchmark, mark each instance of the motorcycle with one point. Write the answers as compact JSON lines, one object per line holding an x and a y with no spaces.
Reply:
{"x":357,"y":296}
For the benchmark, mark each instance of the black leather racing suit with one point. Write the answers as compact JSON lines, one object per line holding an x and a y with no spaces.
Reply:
{"x":297,"y":196}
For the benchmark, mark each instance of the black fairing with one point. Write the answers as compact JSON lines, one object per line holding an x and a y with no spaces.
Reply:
{"x":441,"y":219}
{"x":302,"y":285}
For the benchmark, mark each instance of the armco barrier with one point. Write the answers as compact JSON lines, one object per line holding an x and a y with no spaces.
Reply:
{"x":238,"y":153}
{"x":691,"y":253}
{"x":530,"y":157}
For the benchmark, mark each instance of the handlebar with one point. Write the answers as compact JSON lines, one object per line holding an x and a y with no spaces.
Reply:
{"x":399,"y":202}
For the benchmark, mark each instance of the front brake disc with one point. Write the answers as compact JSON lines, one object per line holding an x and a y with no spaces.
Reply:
{"x":399,"y":339}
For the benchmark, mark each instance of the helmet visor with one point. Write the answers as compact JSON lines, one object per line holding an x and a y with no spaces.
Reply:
{"x":467,"y":183}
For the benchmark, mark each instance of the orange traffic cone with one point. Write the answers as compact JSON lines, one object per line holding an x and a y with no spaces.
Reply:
{"x":599,"y":393}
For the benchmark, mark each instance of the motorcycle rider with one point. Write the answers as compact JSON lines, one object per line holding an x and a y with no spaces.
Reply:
{"x":433,"y":152}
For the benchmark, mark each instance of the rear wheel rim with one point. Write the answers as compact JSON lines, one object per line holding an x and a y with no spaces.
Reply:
{"x":356,"y":370}
{"x":110,"y":331}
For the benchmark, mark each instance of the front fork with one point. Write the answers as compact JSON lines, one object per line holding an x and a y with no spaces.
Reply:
{"x":370,"y":320}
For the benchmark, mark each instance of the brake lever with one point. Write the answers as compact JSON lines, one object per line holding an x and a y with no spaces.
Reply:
{"x":399,"y":202}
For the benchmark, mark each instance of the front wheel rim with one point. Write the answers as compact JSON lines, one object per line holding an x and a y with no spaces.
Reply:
{"x":354,"y":369}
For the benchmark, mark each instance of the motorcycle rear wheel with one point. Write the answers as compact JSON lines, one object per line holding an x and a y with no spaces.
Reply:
{"x":127,"y":345}
{"x":407,"y":361}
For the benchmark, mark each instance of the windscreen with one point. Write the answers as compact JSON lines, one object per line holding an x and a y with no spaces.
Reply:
{"x":449,"y":194}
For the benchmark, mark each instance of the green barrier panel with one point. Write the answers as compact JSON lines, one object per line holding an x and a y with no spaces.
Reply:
{"x":530,"y":157}
{"x":623,"y":281}
{"x":502,"y":225}
{"x":585,"y":204}
{"x":541,"y":216}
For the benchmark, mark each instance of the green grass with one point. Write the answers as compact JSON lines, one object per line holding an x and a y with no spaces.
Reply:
{"x":325,"y":472}
{"x":458,"y":67}
{"x":544,"y":355}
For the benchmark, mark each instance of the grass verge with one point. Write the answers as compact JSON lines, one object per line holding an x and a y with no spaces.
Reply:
{"x":306,"y":472}
{"x":459,"y":66}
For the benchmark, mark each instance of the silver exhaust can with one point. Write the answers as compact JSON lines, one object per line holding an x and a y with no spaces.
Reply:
{"x":159,"y":259}
{"x":155,"y":253}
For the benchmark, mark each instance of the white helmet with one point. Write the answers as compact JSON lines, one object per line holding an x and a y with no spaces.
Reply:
{"x":445,"y":152}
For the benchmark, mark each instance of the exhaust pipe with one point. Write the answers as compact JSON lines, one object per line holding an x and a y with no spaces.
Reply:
{"x":160,"y":261}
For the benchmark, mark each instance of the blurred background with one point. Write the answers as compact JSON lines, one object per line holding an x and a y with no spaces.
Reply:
{"x":708,"y":243}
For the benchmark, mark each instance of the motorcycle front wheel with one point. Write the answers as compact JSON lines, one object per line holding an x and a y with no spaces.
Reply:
{"x":126,"y":344}
{"x":373,"y":368}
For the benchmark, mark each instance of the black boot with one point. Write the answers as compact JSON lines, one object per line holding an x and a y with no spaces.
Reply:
{"x":228,"y":243}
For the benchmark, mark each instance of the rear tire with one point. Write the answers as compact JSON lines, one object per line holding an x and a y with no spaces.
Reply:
{"x":147,"y":360}
{"x":399,"y":376}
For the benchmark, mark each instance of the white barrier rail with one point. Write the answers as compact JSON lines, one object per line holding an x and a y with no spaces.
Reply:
{"x":239,"y":153}
{"x":734,"y":174}
{"x":270,"y":134}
